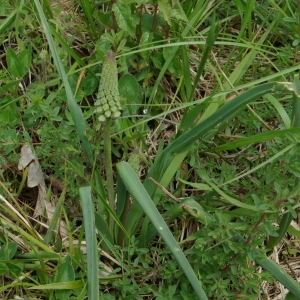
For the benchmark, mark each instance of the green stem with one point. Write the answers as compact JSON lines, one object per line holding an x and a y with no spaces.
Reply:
{"x":109,"y":171}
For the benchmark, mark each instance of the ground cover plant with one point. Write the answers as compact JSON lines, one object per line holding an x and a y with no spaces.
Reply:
{"x":149,"y":149}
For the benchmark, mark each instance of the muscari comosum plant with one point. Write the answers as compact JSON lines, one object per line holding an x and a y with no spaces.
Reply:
{"x":107,"y":107}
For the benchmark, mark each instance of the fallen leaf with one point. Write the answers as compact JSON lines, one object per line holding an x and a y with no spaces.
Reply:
{"x":36,"y":178}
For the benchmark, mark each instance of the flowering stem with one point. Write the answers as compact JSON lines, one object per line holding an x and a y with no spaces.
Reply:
{"x":108,"y":170}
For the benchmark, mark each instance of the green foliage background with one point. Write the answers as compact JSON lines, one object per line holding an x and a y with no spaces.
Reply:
{"x":209,"y":126}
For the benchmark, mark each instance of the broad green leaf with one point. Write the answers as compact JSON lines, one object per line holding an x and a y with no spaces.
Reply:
{"x":293,"y":231}
{"x":145,"y":41}
{"x":102,"y":226}
{"x":290,"y":296}
{"x":166,"y":9}
{"x":8,"y":112}
{"x":178,"y":15}
{"x":89,"y":84}
{"x":13,"y":63}
{"x":128,"y":87}
{"x":25,"y":60}
{"x":9,"y":86}
{"x":147,"y":20}
{"x":18,"y":66}
{"x":3,"y":268}
{"x":14,"y":271}
{"x":137,"y":190}
{"x":8,"y":251}
{"x":290,"y":20}
{"x":158,"y":59}
{"x":174,"y":66}
{"x":129,"y":90}
{"x":65,"y":272}
{"x":124,"y":18}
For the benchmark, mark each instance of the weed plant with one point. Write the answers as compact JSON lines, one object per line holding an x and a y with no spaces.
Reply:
{"x":192,"y":192}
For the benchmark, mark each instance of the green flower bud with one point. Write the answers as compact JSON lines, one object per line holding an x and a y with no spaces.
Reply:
{"x":108,"y":98}
{"x":101,"y":119}
{"x":116,"y":114}
{"x":114,"y":109}
{"x":105,"y":107}
{"x":107,"y":114}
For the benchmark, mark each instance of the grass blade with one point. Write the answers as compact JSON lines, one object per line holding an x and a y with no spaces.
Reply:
{"x":91,"y":242}
{"x":280,"y":109}
{"x":258,"y":138}
{"x":138,"y":191}
{"x":8,"y":21}
{"x":87,"y":9}
{"x":278,"y":273}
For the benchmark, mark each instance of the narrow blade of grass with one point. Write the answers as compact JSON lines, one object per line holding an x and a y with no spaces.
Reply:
{"x":70,"y":285}
{"x":55,"y":218}
{"x":281,"y":111}
{"x":139,"y":193}
{"x":91,"y":241}
{"x":87,"y":9}
{"x":278,"y":273}
{"x":231,"y":200}
{"x":271,"y":159}
{"x":258,"y":138}
{"x":8,"y":21}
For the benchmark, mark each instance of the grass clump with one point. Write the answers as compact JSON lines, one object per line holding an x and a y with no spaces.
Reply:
{"x":191,"y":192}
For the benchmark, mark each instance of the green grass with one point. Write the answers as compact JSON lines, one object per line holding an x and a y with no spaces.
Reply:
{"x":202,"y":182}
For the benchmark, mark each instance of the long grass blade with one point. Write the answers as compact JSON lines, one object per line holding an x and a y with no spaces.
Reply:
{"x":278,"y":273}
{"x":87,"y":206}
{"x":258,"y":138}
{"x":139,"y":193}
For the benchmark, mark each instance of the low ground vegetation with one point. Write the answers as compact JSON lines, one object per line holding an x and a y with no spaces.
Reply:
{"x":190,"y":191}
